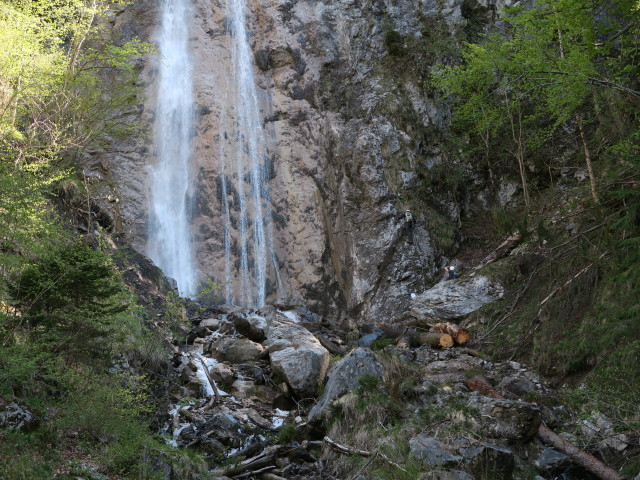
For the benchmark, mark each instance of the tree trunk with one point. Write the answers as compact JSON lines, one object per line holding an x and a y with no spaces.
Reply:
{"x":587,"y":159}
{"x":435,"y":339}
{"x":460,"y":335}
{"x":480,"y":384}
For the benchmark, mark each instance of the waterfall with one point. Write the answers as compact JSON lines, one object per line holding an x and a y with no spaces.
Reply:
{"x":169,"y":242}
{"x":244,"y":174}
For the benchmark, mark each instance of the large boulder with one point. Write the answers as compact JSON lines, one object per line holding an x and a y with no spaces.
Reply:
{"x":456,"y":298}
{"x":344,"y":377}
{"x":236,"y":350}
{"x":296,"y":355}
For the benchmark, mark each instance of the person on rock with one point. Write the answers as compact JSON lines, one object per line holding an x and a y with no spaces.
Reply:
{"x":450,"y":273}
{"x":409,"y":224}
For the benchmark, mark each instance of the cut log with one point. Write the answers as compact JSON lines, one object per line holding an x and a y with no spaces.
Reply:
{"x":442,"y":340}
{"x":479,"y":383}
{"x":460,"y":335}
{"x":395,"y":330}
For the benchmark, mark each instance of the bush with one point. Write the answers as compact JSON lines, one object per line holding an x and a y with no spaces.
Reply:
{"x":68,"y":300}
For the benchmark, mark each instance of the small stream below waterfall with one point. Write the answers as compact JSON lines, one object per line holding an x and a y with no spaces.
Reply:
{"x":230,"y":421}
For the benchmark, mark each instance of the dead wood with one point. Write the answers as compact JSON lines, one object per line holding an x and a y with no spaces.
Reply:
{"x":479,"y":383}
{"x":362,"y":453}
{"x":271,"y":476}
{"x":264,"y":459}
{"x":411,"y":327}
{"x":502,"y":250}
{"x":211,"y":381}
{"x":256,"y":472}
{"x":441,"y":340}
{"x":460,"y":335}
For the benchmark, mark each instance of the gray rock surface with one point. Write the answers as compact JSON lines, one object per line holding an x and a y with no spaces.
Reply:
{"x":432,"y":452}
{"x":349,"y":142}
{"x":16,"y":417}
{"x":548,"y":459}
{"x":296,"y":355}
{"x":236,"y":350}
{"x":344,"y":377}
{"x":488,"y":462}
{"x":456,"y":298}
{"x":508,"y":419}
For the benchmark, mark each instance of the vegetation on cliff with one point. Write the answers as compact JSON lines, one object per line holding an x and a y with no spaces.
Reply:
{"x":553,"y":98}
{"x":70,"y":331}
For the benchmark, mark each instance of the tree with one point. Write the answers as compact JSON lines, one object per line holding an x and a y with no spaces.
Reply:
{"x":544,"y":73}
{"x":69,"y":300}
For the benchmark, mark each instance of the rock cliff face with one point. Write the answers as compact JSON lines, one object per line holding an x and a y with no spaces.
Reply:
{"x":350,"y":126}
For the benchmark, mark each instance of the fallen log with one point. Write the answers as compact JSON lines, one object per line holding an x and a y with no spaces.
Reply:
{"x":441,"y":340}
{"x":212,"y":383}
{"x":460,"y":335}
{"x":364,"y":453}
{"x":501,"y":250}
{"x":265,"y":459}
{"x":395,"y":330}
{"x":479,"y":383}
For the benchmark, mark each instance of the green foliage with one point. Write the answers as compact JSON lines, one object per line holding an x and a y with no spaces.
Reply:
{"x":286,"y":434}
{"x":382,"y":343}
{"x":512,"y":93}
{"x":69,"y":300}
{"x":510,"y":220}
{"x":367,"y":383}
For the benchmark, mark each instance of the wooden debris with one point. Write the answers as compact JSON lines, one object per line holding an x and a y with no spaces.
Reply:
{"x":266,"y":459}
{"x":479,"y":383}
{"x":460,"y":335}
{"x":212,"y":383}
{"x":502,"y":250}
{"x":435,"y":339}
{"x":362,"y":453}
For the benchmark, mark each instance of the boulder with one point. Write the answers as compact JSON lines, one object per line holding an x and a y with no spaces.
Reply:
{"x":488,"y":462}
{"x":431,"y":452}
{"x":296,"y":355}
{"x":251,"y":326}
{"x":15,"y":417}
{"x":508,"y":419}
{"x":517,"y":385}
{"x":455,"y":298}
{"x":236,"y":350}
{"x":302,"y":369}
{"x":344,"y":377}
{"x":550,"y":460}
{"x":222,"y":373}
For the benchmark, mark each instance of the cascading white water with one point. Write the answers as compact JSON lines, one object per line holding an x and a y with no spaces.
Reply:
{"x":169,"y":244}
{"x":244,"y":157}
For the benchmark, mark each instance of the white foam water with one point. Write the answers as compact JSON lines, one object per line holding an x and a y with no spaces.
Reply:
{"x":169,"y":242}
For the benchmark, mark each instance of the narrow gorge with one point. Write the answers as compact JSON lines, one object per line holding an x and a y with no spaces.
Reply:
{"x":319,"y":240}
